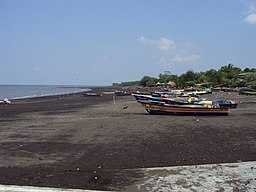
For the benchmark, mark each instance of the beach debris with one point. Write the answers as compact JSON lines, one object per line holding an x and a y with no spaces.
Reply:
{"x":239,"y":161}
{"x":197,"y":120}
{"x":95,"y":177}
{"x":125,"y":107}
{"x":77,"y":169}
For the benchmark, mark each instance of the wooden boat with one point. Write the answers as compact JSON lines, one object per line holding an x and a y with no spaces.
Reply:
{"x":163,"y":108}
{"x":171,"y":99}
{"x":226,"y":103}
{"x":192,"y":100}
{"x":122,"y":93}
{"x":91,"y":94}
{"x":139,"y":97}
{"x":247,"y":91}
{"x":202,"y":92}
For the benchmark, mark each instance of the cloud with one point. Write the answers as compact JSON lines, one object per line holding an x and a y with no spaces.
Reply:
{"x":146,"y":41}
{"x":178,"y":60}
{"x":185,"y":59}
{"x":251,"y":13}
{"x":163,"y":44}
{"x":177,"y":56}
{"x":251,"y":19}
{"x":166,"y":44}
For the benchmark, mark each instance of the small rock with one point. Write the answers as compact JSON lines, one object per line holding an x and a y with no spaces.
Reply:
{"x":125,"y":107}
{"x":77,"y":169}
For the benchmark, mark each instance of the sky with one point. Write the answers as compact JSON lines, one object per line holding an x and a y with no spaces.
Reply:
{"x":100,"y":42}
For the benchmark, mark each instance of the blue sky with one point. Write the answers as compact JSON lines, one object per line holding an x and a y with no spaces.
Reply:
{"x":98,"y":42}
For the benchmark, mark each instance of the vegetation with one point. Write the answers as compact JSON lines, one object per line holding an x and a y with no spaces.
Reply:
{"x":128,"y":83}
{"x":228,"y":75}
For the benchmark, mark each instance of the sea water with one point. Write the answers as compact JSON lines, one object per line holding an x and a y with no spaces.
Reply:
{"x":30,"y":91}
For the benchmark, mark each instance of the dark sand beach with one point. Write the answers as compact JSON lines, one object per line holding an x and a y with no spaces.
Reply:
{"x":82,"y":142}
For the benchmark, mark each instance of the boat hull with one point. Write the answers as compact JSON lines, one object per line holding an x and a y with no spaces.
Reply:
{"x":183,"y":110}
{"x":247,"y":93}
{"x":122,"y":93}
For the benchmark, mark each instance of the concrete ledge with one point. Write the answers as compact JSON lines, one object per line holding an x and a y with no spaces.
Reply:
{"x":204,"y":178}
{"x":15,"y":188}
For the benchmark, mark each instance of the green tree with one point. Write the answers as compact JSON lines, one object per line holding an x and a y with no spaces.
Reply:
{"x":188,"y":79}
{"x":147,"y":81}
{"x":229,"y":75}
{"x":168,"y":76}
{"x":211,"y":76}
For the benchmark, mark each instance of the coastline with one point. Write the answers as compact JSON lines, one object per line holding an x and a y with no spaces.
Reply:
{"x":68,"y":141}
{"x":52,"y":102}
{"x":17,"y":92}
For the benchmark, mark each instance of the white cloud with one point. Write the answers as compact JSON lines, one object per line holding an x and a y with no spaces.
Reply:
{"x":175,"y":57}
{"x":146,"y":41}
{"x":163,"y":44}
{"x":184,"y":59}
{"x":250,"y":19}
{"x":251,"y":13}
{"x":178,"y":60}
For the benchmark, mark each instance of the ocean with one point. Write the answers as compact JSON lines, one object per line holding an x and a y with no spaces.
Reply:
{"x":30,"y":91}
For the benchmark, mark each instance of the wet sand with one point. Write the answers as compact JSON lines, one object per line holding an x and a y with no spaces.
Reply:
{"x":91,"y":143}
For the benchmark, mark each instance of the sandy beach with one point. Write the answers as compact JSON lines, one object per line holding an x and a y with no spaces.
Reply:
{"x":82,"y":142}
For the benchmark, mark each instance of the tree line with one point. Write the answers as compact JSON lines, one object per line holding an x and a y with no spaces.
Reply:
{"x":228,"y":75}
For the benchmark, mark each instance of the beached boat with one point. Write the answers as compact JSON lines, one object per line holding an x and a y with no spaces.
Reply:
{"x":202,"y":92}
{"x":247,"y":91}
{"x":226,"y":103}
{"x":139,"y":97}
{"x":91,"y":94}
{"x":223,"y":103}
{"x":122,"y":93}
{"x":163,"y":108}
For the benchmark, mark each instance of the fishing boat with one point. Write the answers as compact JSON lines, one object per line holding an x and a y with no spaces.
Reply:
{"x":91,"y":94}
{"x":202,"y":92}
{"x":122,"y":93}
{"x":154,"y":107}
{"x":223,"y":103}
{"x":247,"y":91}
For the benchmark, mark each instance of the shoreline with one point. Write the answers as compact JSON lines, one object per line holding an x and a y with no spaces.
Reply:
{"x":59,"y":95}
{"x":76,"y":90}
{"x":59,"y":102}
